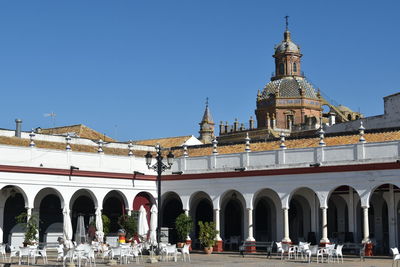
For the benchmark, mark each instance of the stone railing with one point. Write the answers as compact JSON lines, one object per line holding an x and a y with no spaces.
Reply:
{"x":289,"y":158}
{"x":61,"y":159}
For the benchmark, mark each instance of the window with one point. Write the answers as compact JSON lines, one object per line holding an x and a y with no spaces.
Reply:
{"x":289,"y":121}
{"x":294,"y":67}
{"x":281,"y":68}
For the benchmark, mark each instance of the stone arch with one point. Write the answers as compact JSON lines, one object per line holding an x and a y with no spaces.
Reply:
{"x":172,"y":207}
{"x":201,"y":209}
{"x":114,"y":205}
{"x":304,"y":207}
{"x":48,"y":205}
{"x":83,"y":203}
{"x":381,"y":209}
{"x":15,"y":202}
{"x":344,"y":214}
{"x":267,"y":215}
{"x":233,"y":206}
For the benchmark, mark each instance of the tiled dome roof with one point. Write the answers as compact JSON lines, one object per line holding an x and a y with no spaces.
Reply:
{"x":287,"y":45}
{"x":291,"y":87}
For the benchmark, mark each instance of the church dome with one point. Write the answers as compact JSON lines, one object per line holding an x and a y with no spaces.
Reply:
{"x":287,"y":45}
{"x":290,"y":87}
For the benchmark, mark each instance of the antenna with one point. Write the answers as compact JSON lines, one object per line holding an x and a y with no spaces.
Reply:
{"x":53,"y":117}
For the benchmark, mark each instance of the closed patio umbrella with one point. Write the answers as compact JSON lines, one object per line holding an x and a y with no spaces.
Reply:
{"x":67,"y":227}
{"x":143,"y":226}
{"x":153,"y":225}
{"x":99,"y":226}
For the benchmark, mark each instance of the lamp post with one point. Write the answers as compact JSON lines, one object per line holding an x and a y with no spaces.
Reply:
{"x":159,"y":167}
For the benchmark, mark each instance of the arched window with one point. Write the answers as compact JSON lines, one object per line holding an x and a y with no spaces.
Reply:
{"x":349,"y":117}
{"x":281,"y":68}
{"x":294,"y":67}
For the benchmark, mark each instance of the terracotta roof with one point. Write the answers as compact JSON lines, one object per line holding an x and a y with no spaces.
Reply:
{"x":79,"y":130}
{"x":15,"y":141}
{"x":164,"y":142}
{"x":291,"y":143}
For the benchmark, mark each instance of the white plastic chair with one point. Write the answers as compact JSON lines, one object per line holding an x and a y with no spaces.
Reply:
{"x":60,"y":253}
{"x":292,"y":251}
{"x":338,"y":252}
{"x":116,"y":253}
{"x":3,"y":252}
{"x":14,"y":253}
{"x":185,"y":251}
{"x":70,"y":254}
{"x":396,"y":256}
{"x":170,"y":250}
{"x":328,"y":251}
{"x":281,"y":249}
{"x":24,"y":252}
{"x":40,"y":253}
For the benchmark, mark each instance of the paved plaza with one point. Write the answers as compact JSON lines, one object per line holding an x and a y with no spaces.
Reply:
{"x":235,"y":260}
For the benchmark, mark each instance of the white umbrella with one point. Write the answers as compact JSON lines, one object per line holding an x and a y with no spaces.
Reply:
{"x":153,"y":225}
{"x":99,"y":226}
{"x":143,"y":226}
{"x":67,"y":226}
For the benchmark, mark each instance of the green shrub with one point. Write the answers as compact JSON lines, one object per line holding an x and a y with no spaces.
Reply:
{"x":183,"y":226}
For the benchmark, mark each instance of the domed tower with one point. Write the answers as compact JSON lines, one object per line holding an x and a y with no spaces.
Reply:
{"x":206,"y":127}
{"x":288,"y":101}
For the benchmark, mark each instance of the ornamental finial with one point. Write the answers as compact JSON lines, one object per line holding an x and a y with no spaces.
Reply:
{"x":287,"y":22}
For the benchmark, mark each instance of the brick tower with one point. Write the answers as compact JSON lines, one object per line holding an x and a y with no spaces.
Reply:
{"x":288,"y":101}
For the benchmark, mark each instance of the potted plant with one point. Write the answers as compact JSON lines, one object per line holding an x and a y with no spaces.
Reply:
{"x":207,"y":234}
{"x":128,"y":223}
{"x":31,"y":226}
{"x":183,"y":226}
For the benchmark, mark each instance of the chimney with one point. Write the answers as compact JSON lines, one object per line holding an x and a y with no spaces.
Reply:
{"x":18,"y":123}
{"x":332,"y":118}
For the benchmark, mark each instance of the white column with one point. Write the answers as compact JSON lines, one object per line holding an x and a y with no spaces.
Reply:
{"x":217,"y":224}
{"x":324,"y":238}
{"x":1,"y":223}
{"x":352,"y":222}
{"x":187,"y":214}
{"x":250,"y":226}
{"x":391,"y":218}
{"x":286,"y":237}
{"x":28,"y":213}
{"x":366,"y":225}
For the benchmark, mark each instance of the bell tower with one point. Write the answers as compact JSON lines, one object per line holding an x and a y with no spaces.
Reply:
{"x":206,"y":126}
{"x":287,"y":56}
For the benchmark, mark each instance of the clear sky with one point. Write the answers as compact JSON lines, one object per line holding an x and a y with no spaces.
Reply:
{"x":142,"y":69}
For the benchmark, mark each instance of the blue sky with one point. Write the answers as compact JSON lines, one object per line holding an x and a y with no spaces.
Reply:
{"x":142,"y":69}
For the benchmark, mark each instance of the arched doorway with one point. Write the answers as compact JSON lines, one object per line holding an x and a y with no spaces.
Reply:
{"x":381,"y":204}
{"x":13,"y":206}
{"x":344,"y":215}
{"x":50,"y":212}
{"x":82,"y":205}
{"x":232,"y":211}
{"x":114,"y":207}
{"x":304,"y":216}
{"x":172,"y":208}
{"x":265,"y":215}
{"x":201,"y":209}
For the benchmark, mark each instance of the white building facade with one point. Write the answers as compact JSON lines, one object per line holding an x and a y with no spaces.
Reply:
{"x":346,"y":193}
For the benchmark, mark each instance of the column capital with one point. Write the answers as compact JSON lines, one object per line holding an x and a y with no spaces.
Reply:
{"x":285,"y":208}
{"x":217,"y":210}
{"x":323,"y":208}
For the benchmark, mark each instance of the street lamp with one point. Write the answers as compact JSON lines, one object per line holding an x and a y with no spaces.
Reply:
{"x":159,"y":167}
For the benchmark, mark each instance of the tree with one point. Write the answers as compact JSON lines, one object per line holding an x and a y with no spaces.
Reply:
{"x":31,"y":226}
{"x":183,"y":226}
